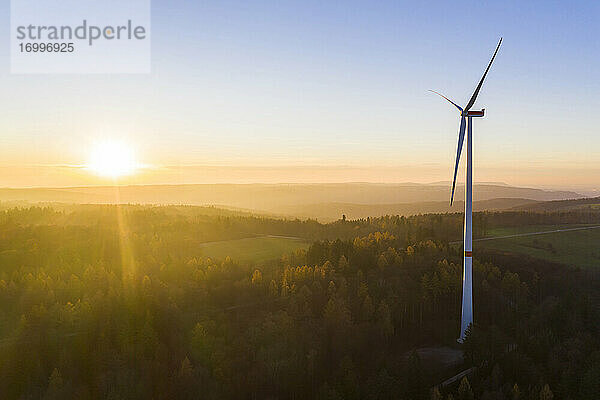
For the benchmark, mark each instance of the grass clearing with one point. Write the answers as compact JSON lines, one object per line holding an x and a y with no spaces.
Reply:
{"x":255,"y":249}
{"x":580,"y":248}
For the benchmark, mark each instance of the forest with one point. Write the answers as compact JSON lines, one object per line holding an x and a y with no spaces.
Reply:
{"x":119,"y":302}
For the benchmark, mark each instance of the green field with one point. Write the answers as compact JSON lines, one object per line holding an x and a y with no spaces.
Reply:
{"x":255,"y":249}
{"x":580,"y":248}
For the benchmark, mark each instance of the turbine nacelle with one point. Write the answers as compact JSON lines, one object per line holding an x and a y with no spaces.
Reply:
{"x":473,"y":113}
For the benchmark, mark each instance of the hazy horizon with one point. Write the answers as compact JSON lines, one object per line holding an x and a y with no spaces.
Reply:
{"x":322,"y":201}
{"x":64,"y":176}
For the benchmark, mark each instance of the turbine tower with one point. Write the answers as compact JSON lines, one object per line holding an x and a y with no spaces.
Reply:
{"x":466,"y":121}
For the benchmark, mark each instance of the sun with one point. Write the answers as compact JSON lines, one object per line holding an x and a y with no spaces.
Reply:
{"x":112,"y":159}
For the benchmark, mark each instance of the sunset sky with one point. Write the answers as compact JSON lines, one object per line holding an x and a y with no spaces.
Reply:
{"x":313,"y":91}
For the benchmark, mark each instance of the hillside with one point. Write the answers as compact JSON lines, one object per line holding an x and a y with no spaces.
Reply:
{"x":333,"y":211}
{"x":173,"y":302}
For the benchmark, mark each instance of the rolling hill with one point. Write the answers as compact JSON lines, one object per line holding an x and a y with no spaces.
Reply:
{"x":592,"y":203}
{"x":333,"y":211}
{"x":324,"y":201}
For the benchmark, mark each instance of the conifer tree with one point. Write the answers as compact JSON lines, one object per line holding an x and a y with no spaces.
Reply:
{"x":464,"y":390}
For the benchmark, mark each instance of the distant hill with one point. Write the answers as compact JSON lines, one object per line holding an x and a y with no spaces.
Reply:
{"x":326,"y":201}
{"x":560,"y":205}
{"x":333,"y":211}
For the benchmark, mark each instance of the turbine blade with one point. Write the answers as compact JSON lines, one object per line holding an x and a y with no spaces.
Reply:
{"x":461,"y":137}
{"x":474,"y":97}
{"x":455,"y":105}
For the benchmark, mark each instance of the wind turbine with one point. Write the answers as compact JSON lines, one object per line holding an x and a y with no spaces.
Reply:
{"x":466,"y":121}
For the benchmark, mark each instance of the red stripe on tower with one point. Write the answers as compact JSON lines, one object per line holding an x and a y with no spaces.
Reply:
{"x":468,"y":254}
